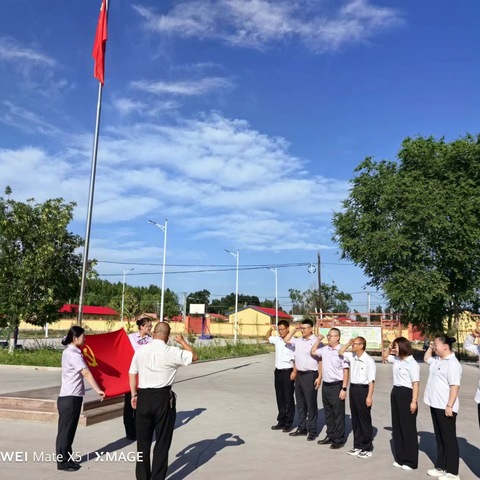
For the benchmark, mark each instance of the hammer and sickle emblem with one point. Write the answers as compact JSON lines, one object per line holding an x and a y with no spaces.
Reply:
{"x":89,"y":356}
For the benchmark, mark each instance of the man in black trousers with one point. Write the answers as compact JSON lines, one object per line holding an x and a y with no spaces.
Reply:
{"x":284,"y":377}
{"x":307,"y":372}
{"x":155,"y":366}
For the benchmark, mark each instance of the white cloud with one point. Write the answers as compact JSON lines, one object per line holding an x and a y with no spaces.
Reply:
{"x":218,"y":177}
{"x":183,"y":88}
{"x":11,"y":50}
{"x":261,"y":23}
{"x":26,"y":120}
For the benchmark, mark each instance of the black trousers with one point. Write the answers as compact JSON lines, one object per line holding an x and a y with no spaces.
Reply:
{"x":284,"y":391}
{"x":404,"y":427}
{"x":306,"y":397}
{"x":69,"y":409}
{"x":361,"y":418}
{"x":446,"y":437}
{"x":129,"y":417}
{"x":334,"y":409}
{"x":156,"y":412}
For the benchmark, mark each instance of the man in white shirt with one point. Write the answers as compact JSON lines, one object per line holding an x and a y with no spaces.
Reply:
{"x":284,"y":377}
{"x":362,"y":382}
{"x":155,"y":366}
{"x":470,"y":346}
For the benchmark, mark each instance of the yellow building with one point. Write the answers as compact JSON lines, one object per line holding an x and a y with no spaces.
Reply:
{"x":255,"y":321}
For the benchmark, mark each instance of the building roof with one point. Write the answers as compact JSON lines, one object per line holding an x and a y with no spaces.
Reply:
{"x":88,"y":310}
{"x":267,"y":311}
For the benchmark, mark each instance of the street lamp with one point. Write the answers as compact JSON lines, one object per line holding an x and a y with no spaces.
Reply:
{"x":237,"y":257}
{"x":125,"y":271}
{"x":164,"y":229}
{"x":275,"y":272}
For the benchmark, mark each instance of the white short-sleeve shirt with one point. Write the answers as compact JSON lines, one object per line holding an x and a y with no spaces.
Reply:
{"x":333,"y":364}
{"x":362,"y":368}
{"x":284,"y":353}
{"x":156,"y":364}
{"x":470,"y":346}
{"x":442,"y":374}
{"x":405,"y":371}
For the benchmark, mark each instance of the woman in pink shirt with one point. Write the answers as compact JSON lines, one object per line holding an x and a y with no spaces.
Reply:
{"x":69,"y":403}
{"x":142,"y":337}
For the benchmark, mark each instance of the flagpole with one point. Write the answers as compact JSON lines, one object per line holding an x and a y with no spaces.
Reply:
{"x":93,"y":171}
{"x":91,"y":195}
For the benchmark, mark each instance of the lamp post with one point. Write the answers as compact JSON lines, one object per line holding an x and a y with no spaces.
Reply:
{"x":237,"y":257}
{"x":275,"y":272}
{"x":125,"y":271}
{"x":164,"y":229}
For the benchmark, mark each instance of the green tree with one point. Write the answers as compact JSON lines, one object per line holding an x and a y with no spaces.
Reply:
{"x":413,"y":226}
{"x":333,"y":300}
{"x":39,"y":269}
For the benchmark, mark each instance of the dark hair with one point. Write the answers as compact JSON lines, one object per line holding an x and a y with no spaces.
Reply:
{"x":74,"y":331}
{"x":446,"y":340}
{"x":337,"y":330}
{"x":283,"y":323}
{"x":362,"y":341}
{"x":404,"y":348}
{"x":142,"y":321}
{"x":307,"y":322}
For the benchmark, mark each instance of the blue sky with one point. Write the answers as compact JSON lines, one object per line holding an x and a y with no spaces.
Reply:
{"x":241,"y":121}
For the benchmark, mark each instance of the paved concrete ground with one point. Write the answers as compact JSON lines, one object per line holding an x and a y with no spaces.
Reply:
{"x":225,"y":410}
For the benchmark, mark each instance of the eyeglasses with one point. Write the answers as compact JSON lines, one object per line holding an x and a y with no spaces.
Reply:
{"x":328,"y":336}
{"x":357,"y":343}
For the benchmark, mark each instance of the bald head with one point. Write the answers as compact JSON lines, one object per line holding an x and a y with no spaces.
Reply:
{"x":161,"y":331}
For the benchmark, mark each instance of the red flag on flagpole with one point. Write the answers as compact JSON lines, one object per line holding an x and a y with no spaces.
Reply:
{"x":99,"y":45}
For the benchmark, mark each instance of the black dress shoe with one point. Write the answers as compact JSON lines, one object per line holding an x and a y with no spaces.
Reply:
{"x":277,"y":427}
{"x":287,"y":429}
{"x":336,"y":446}
{"x":68,"y":466}
{"x":311,"y":437}
{"x":298,"y":433}
{"x":325,"y":441}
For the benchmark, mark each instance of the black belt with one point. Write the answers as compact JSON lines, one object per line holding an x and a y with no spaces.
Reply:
{"x":329,"y":384}
{"x":300,"y":372}
{"x":153,"y":389}
{"x":283,"y":369}
{"x":359,"y":385}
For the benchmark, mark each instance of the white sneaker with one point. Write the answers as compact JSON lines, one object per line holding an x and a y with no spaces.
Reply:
{"x":449,"y":476}
{"x":354,"y":451}
{"x":435,"y":472}
{"x":406,"y":467}
{"x":396,"y":464}
{"x":365,"y":454}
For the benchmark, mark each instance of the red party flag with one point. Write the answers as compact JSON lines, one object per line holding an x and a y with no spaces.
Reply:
{"x":108,"y":356}
{"x":99,"y":45}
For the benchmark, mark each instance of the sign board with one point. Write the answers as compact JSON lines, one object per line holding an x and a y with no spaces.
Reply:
{"x":197,"y":309}
{"x":373,"y":335}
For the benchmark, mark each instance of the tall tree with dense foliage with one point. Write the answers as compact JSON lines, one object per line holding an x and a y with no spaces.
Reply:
{"x":39,"y":269}
{"x":413,"y":226}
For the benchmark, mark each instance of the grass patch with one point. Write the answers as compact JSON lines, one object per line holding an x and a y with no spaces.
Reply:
{"x":230,"y":350}
{"x":47,"y":356}
{"x":38,"y":357}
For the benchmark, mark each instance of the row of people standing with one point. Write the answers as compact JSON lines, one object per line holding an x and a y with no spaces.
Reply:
{"x":303,"y":364}
{"x":336,"y":365}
